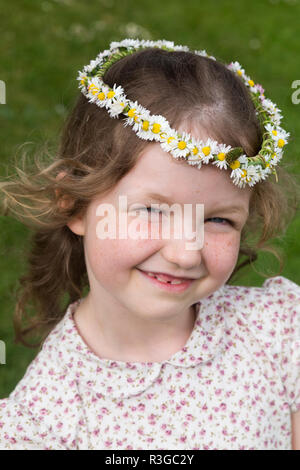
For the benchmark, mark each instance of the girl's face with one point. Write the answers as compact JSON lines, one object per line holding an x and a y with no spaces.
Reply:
{"x":114,"y":265}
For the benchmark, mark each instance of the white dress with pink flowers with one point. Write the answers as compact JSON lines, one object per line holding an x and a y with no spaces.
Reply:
{"x":233,"y":385}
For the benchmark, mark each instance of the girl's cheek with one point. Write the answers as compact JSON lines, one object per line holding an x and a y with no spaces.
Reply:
{"x":221,"y":251}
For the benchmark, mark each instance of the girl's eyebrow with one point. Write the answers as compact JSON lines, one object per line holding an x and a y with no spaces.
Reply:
{"x":162,"y":198}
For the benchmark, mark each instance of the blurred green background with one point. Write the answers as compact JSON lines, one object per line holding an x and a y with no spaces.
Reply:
{"x":44,"y":44}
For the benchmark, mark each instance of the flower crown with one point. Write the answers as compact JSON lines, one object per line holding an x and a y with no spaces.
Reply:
{"x":245,"y":170}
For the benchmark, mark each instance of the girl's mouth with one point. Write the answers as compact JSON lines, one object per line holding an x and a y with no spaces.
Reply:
{"x":169,"y":286}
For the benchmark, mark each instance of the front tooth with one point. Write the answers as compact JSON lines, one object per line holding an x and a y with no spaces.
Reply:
{"x":161,"y":280}
{"x":176,"y":282}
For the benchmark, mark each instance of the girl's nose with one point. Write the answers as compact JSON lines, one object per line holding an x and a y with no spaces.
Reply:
{"x":179,"y":252}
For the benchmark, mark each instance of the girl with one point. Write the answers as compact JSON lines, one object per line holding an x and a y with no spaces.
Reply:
{"x":142,"y":361}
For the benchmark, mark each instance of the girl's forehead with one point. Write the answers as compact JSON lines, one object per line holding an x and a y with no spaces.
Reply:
{"x":156,"y":172}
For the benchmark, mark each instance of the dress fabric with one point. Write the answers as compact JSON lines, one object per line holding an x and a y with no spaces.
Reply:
{"x":232,"y":386}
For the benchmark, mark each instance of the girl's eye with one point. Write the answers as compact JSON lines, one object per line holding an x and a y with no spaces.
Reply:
{"x":150,"y":211}
{"x":221,"y":218}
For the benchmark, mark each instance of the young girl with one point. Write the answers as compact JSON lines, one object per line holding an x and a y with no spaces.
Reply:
{"x":140,"y":362}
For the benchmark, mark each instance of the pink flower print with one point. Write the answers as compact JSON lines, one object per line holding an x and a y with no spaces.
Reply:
{"x":117,"y":427}
{"x":192,"y":394}
{"x":120,"y":404}
{"x":59,"y":425}
{"x":141,"y":407}
{"x":44,"y":389}
{"x":223,"y":406}
{"x":189,"y":417}
{"x":218,"y":391}
{"x":19,"y":427}
{"x":140,"y":431}
{"x":51,"y":372}
{"x":224,"y":432}
{"x":168,"y":432}
{"x":178,"y":407}
{"x":204,"y":407}
{"x":182,"y":439}
{"x":96,"y":432}
{"x":171,"y":391}
{"x":43,"y":411}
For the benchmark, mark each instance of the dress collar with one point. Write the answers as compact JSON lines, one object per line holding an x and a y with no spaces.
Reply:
{"x":120,"y":379}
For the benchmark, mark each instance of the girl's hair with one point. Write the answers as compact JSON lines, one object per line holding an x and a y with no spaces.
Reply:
{"x":96,"y":151}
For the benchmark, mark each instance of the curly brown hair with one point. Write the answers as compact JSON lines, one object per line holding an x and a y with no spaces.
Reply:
{"x":95,"y":152}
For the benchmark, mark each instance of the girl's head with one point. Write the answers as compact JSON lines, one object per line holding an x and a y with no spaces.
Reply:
{"x":100,"y":159}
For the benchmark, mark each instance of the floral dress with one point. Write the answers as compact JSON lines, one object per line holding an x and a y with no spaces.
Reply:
{"x":232,"y":386}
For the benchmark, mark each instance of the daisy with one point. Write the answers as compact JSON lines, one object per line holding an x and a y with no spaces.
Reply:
{"x":170,"y":141}
{"x":117,"y":107}
{"x":207,"y":149}
{"x":181,"y":148}
{"x":158,"y":124}
{"x":236,"y":67}
{"x":134,"y":114}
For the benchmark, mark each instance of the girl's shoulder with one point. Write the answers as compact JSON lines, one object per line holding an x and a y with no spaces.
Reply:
{"x":269,"y":316}
{"x":273,"y":306}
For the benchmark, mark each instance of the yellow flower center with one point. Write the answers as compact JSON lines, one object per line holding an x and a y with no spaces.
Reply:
{"x":91,"y":86}
{"x":244,"y":174}
{"x":131,"y":112}
{"x":163,"y":135}
{"x":280,"y":143}
{"x":240,"y":72}
{"x":181,"y":145}
{"x":95,"y":90}
{"x":251,"y":82}
{"x":221,"y":156}
{"x":136,"y":118}
{"x":145,"y":125}
{"x":101,"y":96}
{"x":206,"y":150}
{"x":110,"y":94}
{"x":156,"y":128}
{"x":236,"y":164}
{"x":169,"y":139}
{"x":83,"y":80}
{"x":274,"y":155}
{"x":274,"y":132}
{"x":195,"y":150}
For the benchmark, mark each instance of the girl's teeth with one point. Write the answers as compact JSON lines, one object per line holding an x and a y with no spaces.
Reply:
{"x":162,"y":280}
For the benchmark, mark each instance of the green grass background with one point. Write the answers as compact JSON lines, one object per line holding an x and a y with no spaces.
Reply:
{"x":44,"y":44}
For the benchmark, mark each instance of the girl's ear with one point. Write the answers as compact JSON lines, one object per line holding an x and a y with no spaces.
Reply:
{"x":77,"y":223}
